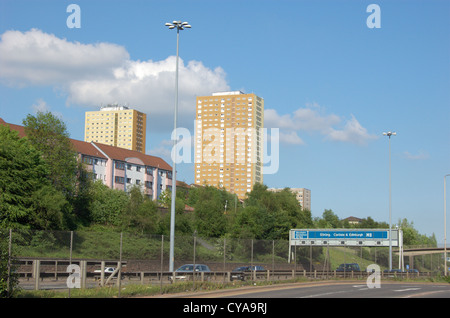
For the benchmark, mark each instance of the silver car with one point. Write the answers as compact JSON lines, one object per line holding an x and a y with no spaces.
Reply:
{"x":187,"y":270}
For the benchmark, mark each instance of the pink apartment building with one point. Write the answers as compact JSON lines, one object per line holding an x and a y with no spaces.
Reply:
{"x":120,"y":168}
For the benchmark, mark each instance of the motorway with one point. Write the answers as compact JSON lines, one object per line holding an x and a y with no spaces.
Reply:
{"x":332,"y":289}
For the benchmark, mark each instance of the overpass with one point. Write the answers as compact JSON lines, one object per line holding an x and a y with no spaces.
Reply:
{"x":414,"y":251}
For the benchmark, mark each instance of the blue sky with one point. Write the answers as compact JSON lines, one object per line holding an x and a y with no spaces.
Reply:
{"x":331,"y":84}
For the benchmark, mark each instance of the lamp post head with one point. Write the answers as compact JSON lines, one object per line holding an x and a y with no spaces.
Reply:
{"x":389,"y":134}
{"x":178,"y":24}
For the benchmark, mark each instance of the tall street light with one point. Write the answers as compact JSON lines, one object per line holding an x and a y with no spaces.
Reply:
{"x":445,"y":226}
{"x":389,"y":134}
{"x":179,"y":26}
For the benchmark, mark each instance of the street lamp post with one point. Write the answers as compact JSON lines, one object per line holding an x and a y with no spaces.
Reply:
{"x":445,"y":226}
{"x":179,"y":26}
{"x":389,"y":134}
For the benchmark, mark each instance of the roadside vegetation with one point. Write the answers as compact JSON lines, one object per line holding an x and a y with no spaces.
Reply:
{"x":44,"y":187}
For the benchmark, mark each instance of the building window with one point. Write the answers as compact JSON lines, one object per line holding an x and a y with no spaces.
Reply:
{"x":149,"y":184}
{"x":120,"y":165}
{"x":87,"y":160}
{"x":120,"y":180}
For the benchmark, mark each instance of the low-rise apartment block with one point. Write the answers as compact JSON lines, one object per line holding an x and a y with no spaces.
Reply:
{"x":120,"y":168}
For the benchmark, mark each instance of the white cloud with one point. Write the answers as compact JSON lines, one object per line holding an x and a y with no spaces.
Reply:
{"x":38,"y":58}
{"x":420,"y":156}
{"x":98,"y":74}
{"x":40,"y":106}
{"x":291,"y":138}
{"x":313,"y":119}
{"x":352,"y":132}
{"x":150,"y":87}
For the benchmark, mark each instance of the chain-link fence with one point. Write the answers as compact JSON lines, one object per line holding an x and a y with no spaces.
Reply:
{"x":58,"y":259}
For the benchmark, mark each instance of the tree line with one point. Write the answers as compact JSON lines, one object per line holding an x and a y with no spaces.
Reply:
{"x":45,"y":186}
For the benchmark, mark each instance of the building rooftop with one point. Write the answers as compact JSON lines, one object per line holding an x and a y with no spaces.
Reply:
{"x":227,"y":93}
{"x":110,"y":107}
{"x":92,"y":149}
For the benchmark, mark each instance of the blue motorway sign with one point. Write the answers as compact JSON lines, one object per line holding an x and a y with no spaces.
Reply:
{"x":340,"y":234}
{"x":330,"y":237}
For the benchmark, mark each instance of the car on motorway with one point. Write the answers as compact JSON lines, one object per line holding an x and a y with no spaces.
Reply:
{"x":394,"y":270}
{"x":348,"y":267}
{"x":239,"y":272}
{"x":183,"y":272}
{"x":108,"y":270}
{"x":413,"y":271}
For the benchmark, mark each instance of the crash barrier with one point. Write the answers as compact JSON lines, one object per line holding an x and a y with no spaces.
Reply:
{"x":52,"y":274}
{"x":41,"y":258}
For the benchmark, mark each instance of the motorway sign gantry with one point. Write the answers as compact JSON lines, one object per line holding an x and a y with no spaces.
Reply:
{"x":343,"y":237}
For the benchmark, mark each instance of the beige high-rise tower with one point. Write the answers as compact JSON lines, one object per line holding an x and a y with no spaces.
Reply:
{"x":117,"y":126}
{"x":229,"y":141}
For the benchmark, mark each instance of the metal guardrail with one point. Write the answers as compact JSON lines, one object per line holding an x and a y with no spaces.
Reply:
{"x":57,"y":278}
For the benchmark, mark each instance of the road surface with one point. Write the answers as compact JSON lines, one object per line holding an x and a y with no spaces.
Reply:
{"x":330,"y":289}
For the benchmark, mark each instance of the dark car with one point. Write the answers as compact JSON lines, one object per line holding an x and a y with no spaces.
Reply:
{"x":348,"y":267}
{"x":394,"y":270}
{"x":239,"y":272}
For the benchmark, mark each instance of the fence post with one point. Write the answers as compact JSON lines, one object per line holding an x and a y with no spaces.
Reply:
{"x":36,"y":272}
{"x":224,"y":258}
{"x":162,"y":261}
{"x":273,"y":255}
{"x":119,"y":274}
{"x":70,"y":253}
{"x":251,"y":263}
{"x":8,"y":288}
{"x":83,"y":265}
{"x":102,"y":274}
{"x":193,"y":269}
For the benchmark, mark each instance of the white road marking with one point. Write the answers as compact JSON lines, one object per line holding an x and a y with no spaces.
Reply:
{"x":406,"y":289}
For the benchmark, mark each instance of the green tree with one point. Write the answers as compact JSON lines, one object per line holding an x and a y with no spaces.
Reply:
{"x":106,"y":205}
{"x":209,"y":211}
{"x":49,"y":135}
{"x":48,"y":206}
{"x":6,"y":273}
{"x":269,"y":215}
{"x":22,"y":173}
{"x":140,"y":213}
{"x":329,"y":220}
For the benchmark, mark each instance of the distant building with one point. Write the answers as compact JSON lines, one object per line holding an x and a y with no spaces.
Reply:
{"x":120,"y":168}
{"x":117,"y":126}
{"x":303,"y":196}
{"x":229,"y":140}
{"x":353,"y":220}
